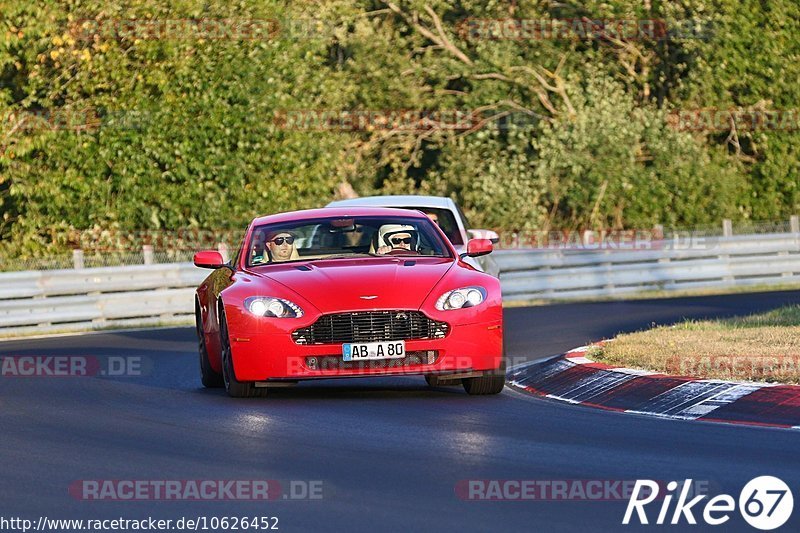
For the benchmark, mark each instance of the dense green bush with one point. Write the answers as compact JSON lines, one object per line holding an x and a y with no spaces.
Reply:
{"x":182,"y":132}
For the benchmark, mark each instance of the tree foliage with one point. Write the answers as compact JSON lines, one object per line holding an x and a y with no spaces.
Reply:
{"x":126,"y":131}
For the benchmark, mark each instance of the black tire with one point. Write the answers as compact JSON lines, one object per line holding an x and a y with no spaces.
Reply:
{"x":234,"y":387}
{"x":211,"y":379}
{"x":435,"y":381}
{"x":491,"y":383}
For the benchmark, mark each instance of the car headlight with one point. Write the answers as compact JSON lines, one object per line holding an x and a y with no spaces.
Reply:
{"x":461,"y":298}
{"x":272,"y":307}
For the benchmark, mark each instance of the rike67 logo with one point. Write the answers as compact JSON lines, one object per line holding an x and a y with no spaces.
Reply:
{"x":765,"y":503}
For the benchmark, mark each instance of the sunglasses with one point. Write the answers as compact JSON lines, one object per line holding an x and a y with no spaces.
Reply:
{"x":404,"y":240}
{"x":280,"y":240}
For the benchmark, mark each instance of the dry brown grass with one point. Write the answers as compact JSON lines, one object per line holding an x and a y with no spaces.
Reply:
{"x":762,"y":347}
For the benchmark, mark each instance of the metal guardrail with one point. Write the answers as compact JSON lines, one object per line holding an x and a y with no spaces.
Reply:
{"x":665,"y":265}
{"x":90,"y":298}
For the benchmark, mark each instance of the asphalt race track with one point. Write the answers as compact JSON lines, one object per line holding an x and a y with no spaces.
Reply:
{"x":389,"y":452}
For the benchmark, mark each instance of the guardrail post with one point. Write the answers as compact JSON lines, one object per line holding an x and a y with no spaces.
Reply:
{"x":147,"y":253}
{"x":609,"y":269}
{"x":784,"y":253}
{"x":794,"y":227}
{"x":222,"y":248}
{"x":727,"y":228}
{"x":724,"y":259}
{"x":77,"y":259}
{"x":588,"y":239}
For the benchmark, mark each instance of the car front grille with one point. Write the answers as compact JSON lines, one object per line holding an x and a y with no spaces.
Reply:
{"x":370,"y":326}
{"x":336,"y":362}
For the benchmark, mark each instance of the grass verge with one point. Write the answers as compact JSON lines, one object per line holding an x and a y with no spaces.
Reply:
{"x":760,"y":347}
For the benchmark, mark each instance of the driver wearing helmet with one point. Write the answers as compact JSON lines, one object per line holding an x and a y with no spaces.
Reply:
{"x":396,"y":237}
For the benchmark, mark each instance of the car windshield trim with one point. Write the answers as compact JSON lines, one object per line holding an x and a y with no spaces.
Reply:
{"x":310,"y":237}
{"x":351,"y":256}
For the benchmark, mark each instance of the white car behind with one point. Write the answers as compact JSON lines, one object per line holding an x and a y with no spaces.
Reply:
{"x":449,"y":217}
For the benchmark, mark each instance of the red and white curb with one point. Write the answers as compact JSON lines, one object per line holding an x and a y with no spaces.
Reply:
{"x":576,"y":379}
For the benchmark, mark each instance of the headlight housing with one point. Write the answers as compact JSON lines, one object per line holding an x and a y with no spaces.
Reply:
{"x":269,"y":306}
{"x":461,"y":298}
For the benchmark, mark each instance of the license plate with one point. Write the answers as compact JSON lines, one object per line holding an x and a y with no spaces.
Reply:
{"x":373,"y":350}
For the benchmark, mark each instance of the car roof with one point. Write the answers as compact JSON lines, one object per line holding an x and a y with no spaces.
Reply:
{"x":328,"y":212}
{"x":441,"y":202}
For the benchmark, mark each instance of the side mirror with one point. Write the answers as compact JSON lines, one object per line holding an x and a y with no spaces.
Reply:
{"x":484,"y":234}
{"x":208,"y":259}
{"x":478,"y":247}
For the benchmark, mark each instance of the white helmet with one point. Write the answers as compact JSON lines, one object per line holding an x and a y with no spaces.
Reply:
{"x":387,"y":230}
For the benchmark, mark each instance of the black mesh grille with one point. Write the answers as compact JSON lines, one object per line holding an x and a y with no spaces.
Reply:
{"x":370,"y":326}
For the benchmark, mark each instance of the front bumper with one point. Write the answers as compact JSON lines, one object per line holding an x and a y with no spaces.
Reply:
{"x":268,"y":353}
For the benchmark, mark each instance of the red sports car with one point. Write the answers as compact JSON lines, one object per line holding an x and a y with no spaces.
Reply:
{"x":348,"y":292}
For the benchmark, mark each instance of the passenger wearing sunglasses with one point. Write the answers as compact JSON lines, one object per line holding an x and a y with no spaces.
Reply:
{"x":281,"y":247}
{"x":396,"y":237}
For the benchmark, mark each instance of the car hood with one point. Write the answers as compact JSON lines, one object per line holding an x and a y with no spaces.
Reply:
{"x":340,"y":285}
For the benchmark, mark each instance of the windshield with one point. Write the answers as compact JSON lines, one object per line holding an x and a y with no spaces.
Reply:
{"x":344,"y":238}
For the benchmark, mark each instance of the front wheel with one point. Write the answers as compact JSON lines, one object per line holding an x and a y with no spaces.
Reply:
{"x":234,"y":387}
{"x":490,"y":383}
